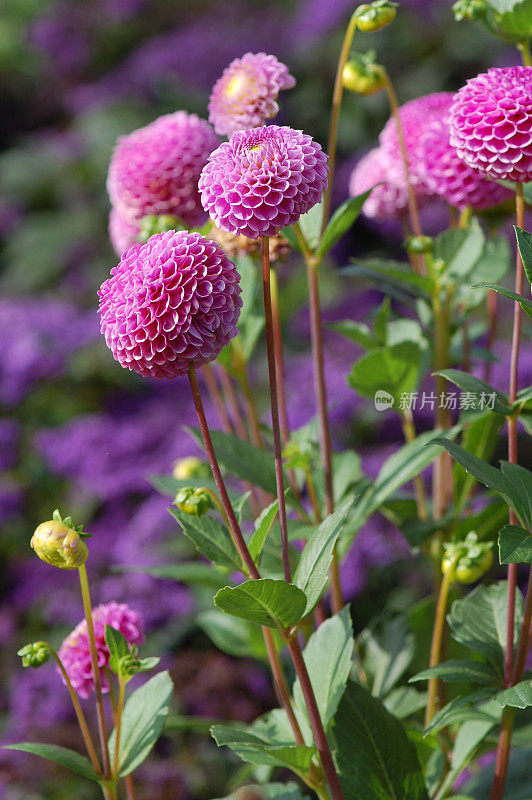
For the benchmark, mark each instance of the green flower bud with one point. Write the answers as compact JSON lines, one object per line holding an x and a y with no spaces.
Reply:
{"x":195,"y":502}
{"x":35,"y":654}
{"x":153,"y":224}
{"x":191,"y":467}
{"x":419,"y":244}
{"x":374,"y":16}
{"x":363,"y":77}
{"x":470,"y":9}
{"x":471,"y":558}
{"x":59,"y":545}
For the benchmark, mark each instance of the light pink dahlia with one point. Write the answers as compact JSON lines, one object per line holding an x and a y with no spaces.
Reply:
{"x":75,"y":653}
{"x":262,"y":180}
{"x":414,"y":116}
{"x":387,"y":200}
{"x":449,"y":177}
{"x":155,"y":169}
{"x":491,"y":123}
{"x":246,"y":94}
{"x":171,"y":302}
{"x":122,"y":232}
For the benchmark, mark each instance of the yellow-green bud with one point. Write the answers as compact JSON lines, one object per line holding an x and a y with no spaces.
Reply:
{"x":191,"y":467}
{"x":195,"y":502}
{"x":419,"y":244}
{"x":59,"y":545}
{"x":374,"y":16}
{"x":470,"y":9}
{"x":35,"y":654}
{"x":363,"y":78}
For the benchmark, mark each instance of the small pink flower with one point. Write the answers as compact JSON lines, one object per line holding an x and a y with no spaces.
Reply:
{"x":171,"y":302}
{"x":122,"y":232}
{"x":262,"y":180}
{"x":448,"y":176}
{"x":387,"y":200}
{"x":491,"y":123}
{"x":246,"y":94}
{"x":75,"y":652}
{"x":155,"y":169}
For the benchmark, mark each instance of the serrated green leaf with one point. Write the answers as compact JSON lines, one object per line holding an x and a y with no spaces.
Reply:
{"x":263,"y":525}
{"x":143,"y":719}
{"x":492,"y":399}
{"x":461,"y":670}
{"x":375,"y":758}
{"x":255,"y":750}
{"x":515,"y":545}
{"x":340,"y":222}
{"x":328,"y":656}
{"x":313,"y":568}
{"x":210,"y":538}
{"x":394,"y":369}
{"x":518,"y":696}
{"x":265,"y":602}
{"x":61,"y":755}
{"x":524,"y":302}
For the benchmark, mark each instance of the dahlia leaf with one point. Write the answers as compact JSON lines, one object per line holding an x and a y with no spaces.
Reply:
{"x":340,"y":222}
{"x":524,"y":242}
{"x":524,"y":302}
{"x":265,"y":602}
{"x":237,"y":637}
{"x":518,"y":696}
{"x":210,"y":537}
{"x":263,"y":525}
{"x":61,"y":755}
{"x":255,"y":750}
{"x":468,"y":383}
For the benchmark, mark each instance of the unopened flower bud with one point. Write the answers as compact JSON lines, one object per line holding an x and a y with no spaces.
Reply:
{"x":191,"y":467}
{"x":374,"y":16}
{"x":419,"y":244}
{"x":469,"y":559}
{"x":35,"y":654}
{"x":363,"y":77}
{"x":59,"y":545}
{"x":470,"y":9}
{"x":195,"y":502}
{"x":158,"y":224}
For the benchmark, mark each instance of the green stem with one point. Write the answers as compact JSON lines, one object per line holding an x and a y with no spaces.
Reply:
{"x":118,"y":726}
{"x":335,"y":115}
{"x":437,"y":638}
{"x":102,"y":725}
{"x":526,"y":56}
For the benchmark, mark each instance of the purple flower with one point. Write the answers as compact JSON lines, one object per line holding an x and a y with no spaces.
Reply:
{"x":122,"y":232}
{"x":388,"y":200}
{"x":170,"y":303}
{"x":491,"y":123}
{"x":75,"y":653}
{"x":246,"y":94}
{"x":155,"y":169}
{"x":450,"y":177}
{"x":262,"y":180}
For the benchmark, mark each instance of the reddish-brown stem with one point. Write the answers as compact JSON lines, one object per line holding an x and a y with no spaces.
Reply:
{"x":523,"y":647}
{"x":233,"y":404}
{"x":281,"y":684}
{"x":214,"y":393}
{"x":318,"y":731}
{"x":279,"y":355}
{"x":270,"y":346}
{"x":130,"y":787}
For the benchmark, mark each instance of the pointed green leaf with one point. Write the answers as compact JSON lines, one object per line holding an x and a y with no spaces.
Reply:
{"x":520,"y":480}
{"x":518,"y":696}
{"x":461,"y":670}
{"x":515,"y":545}
{"x":395,"y":272}
{"x":61,"y":755}
{"x":524,"y":242}
{"x":263,"y":526}
{"x":340,"y":222}
{"x":210,"y":537}
{"x":357,"y":332}
{"x":394,"y":369}
{"x":265,"y":602}
{"x":143,"y":719}
{"x":254,"y":749}
{"x":524,"y":302}
{"x":447,"y":714}
{"x":491,"y":398}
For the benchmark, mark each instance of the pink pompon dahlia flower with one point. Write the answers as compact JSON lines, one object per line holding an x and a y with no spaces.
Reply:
{"x":122,"y":232}
{"x":387,"y":200}
{"x":75,"y":653}
{"x":491,"y":123}
{"x":414,"y":116}
{"x":171,"y":302}
{"x":448,"y":176}
{"x":262,"y":180}
{"x":155,"y":169}
{"x":246,"y":94}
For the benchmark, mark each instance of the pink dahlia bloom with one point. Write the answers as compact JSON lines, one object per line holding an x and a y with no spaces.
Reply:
{"x":414,"y":116}
{"x":449,"y":177}
{"x":246,"y":94}
{"x":387,"y":200}
{"x":491,"y":123}
{"x":155,"y":169}
{"x":75,"y":653}
{"x":171,"y":302}
{"x":262,"y":180}
{"x":122,"y":232}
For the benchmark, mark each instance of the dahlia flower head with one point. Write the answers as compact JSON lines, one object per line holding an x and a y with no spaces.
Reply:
{"x":75,"y":652}
{"x":445,"y":174}
{"x":155,"y":169}
{"x":262,"y":180}
{"x":387,"y":200}
{"x":170,"y":303}
{"x":491,"y":123}
{"x":122,"y":232}
{"x":415,"y":116}
{"x":246,"y":94}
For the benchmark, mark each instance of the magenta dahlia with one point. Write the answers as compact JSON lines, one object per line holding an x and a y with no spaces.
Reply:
{"x":75,"y":653}
{"x":122,"y":232}
{"x":414,"y":116}
{"x":262,"y":180}
{"x":387,"y":200}
{"x":171,"y":302}
{"x":155,"y":169}
{"x":449,"y":177}
{"x":491,"y":123}
{"x":246,"y":94}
